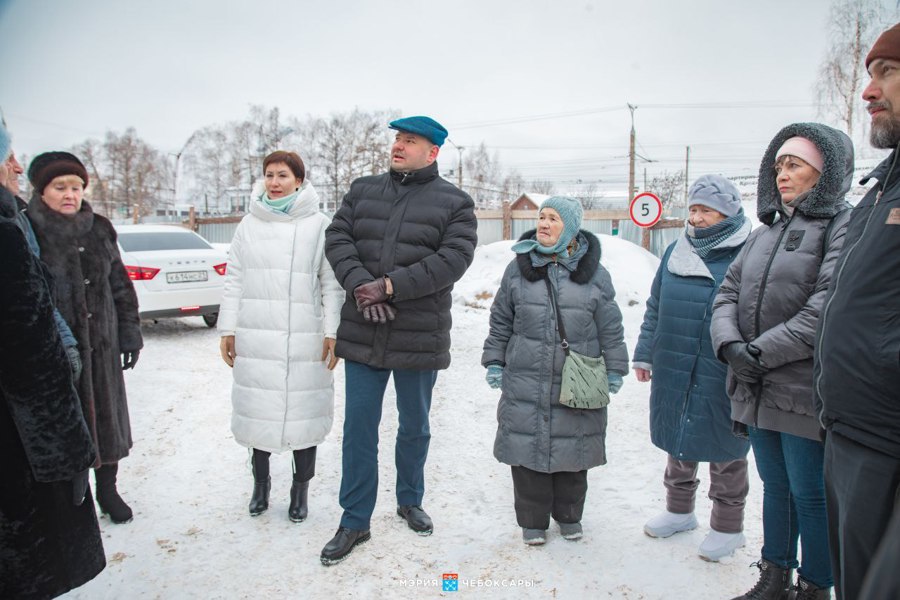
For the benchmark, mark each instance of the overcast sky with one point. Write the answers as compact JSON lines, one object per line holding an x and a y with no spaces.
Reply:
{"x":484,"y":68}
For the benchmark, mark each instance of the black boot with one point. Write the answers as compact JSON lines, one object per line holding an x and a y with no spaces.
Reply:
{"x":772,"y":585}
{"x":108,"y":497}
{"x":343,"y":542}
{"x":262,"y":483}
{"x":804,"y":590}
{"x":298,"y":508}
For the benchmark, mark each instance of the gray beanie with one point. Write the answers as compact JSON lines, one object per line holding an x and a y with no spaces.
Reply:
{"x":717,"y":193}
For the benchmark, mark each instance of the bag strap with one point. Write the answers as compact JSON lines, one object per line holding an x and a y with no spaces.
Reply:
{"x":559,"y":322}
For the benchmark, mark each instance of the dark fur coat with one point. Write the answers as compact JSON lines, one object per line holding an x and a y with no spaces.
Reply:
{"x":47,"y":544}
{"x":98,"y":301}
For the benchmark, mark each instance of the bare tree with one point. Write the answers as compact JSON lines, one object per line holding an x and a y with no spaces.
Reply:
{"x":853,"y":27}
{"x":591,"y":196}
{"x":542,"y":186}
{"x":483,"y":176}
{"x":138,"y":174}
{"x":91,"y":154}
{"x":669,"y":188}
{"x":513,"y":186}
{"x":346,"y":146}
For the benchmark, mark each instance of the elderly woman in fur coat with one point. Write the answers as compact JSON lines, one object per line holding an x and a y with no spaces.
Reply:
{"x":98,"y":301}
{"x":548,"y":445}
{"x":49,"y":538}
{"x":278,"y":321}
{"x":764,"y":326}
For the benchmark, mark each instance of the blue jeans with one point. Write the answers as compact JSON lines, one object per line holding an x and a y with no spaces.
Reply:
{"x":791,"y":469}
{"x":362,"y":415}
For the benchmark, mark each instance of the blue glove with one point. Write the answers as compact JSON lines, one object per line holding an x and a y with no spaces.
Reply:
{"x":494,"y":376}
{"x":615,"y":382}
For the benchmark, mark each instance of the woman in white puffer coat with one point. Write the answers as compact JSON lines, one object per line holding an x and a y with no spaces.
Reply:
{"x":278,"y":320}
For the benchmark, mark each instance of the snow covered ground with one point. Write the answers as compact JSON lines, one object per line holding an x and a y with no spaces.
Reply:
{"x":189,"y":484}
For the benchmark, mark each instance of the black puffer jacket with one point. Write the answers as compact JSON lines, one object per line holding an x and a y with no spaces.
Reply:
{"x":98,"y":301}
{"x":775,"y":288}
{"x":419,"y":230}
{"x":858,"y":362}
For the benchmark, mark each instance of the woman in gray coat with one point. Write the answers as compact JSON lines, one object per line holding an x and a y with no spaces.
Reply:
{"x":764,"y":325}
{"x":550,"y":446}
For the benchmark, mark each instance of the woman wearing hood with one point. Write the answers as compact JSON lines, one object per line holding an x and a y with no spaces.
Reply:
{"x":690,"y":413}
{"x":278,"y":320}
{"x":550,"y":446}
{"x":763,"y":326}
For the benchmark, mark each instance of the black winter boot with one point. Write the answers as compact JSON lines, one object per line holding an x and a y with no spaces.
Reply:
{"x":804,"y":590}
{"x":262,"y":483}
{"x":772,"y":585}
{"x":298,"y":508}
{"x":108,"y":497}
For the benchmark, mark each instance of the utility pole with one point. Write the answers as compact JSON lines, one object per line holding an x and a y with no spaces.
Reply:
{"x":687,"y":178}
{"x":631,"y":158}
{"x":645,"y":179}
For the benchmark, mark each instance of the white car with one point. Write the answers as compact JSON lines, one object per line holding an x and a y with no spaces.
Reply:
{"x":175,"y":272}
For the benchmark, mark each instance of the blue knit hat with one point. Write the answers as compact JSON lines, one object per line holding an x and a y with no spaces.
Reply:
{"x":570,"y":212}
{"x":5,"y":143}
{"x":717,"y":193}
{"x":427,"y":127}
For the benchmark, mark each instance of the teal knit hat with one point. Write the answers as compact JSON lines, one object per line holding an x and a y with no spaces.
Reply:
{"x":570,"y":212}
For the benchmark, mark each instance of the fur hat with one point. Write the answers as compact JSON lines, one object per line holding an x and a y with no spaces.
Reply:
{"x":826,"y":199}
{"x":886,"y":46}
{"x":717,"y":193}
{"x":803,"y":149}
{"x":45,"y":167}
{"x":427,"y":127}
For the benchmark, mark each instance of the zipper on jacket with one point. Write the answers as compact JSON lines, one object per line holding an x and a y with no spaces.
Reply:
{"x":287,"y":366}
{"x":687,"y":394}
{"x":836,"y":282}
{"x":759,"y":299}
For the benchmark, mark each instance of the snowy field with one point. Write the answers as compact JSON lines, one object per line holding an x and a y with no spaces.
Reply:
{"x":189,"y":484}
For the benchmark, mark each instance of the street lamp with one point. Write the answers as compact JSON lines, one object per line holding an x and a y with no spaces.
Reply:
{"x":177,"y":162}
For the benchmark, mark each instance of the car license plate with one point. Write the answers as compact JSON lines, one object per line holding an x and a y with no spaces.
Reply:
{"x":186,"y":276}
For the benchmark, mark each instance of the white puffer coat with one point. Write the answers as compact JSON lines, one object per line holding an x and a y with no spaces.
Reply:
{"x":281,"y":301}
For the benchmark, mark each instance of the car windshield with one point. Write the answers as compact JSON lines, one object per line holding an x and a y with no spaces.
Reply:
{"x":162,"y":240}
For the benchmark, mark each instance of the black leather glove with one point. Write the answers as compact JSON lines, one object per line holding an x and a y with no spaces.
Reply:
{"x":129,"y":359}
{"x":370,"y":293}
{"x":379,"y":313}
{"x":743,"y":358}
{"x":74,"y":362}
{"x":79,"y":487}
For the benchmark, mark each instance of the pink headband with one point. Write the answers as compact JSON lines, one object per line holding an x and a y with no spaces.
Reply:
{"x":804,"y":149}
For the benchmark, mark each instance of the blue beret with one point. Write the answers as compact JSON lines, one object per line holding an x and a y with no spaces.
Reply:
{"x":427,"y":127}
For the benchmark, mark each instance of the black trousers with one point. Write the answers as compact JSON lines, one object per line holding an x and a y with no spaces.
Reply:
{"x":862,"y":490}
{"x":304,"y":464}
{"x":540,"y":495}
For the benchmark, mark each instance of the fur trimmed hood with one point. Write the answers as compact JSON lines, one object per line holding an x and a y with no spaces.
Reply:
{"x":826,"y":199}
{"x":587,"y":266}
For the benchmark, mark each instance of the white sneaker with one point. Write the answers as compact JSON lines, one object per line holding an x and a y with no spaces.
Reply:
{"x":667,"y":523}
{"x":718,"y":545}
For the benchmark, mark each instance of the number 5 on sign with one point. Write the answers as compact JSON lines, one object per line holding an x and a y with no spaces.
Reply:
{"x":645,"y":209}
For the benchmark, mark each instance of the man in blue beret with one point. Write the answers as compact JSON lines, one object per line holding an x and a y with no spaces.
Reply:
{"x":397,"y":244}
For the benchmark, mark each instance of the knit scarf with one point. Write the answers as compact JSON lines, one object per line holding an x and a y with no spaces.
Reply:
{"x":705,"y":239}
{"x":280,"y":204}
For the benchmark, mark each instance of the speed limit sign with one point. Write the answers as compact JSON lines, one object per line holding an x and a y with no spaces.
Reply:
{"x":645,"y":209}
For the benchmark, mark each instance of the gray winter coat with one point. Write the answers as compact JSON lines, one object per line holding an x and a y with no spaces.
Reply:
{"x":536,"y":431}
{"x":774,"y":290}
